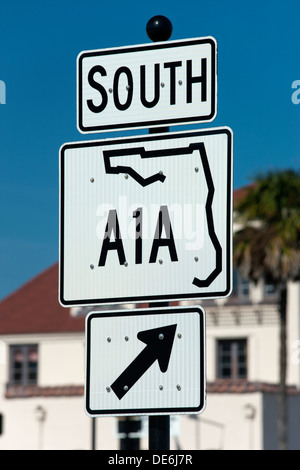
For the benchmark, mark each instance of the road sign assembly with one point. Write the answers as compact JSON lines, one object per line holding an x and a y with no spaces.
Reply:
{"x":146,"y":218}
{"x":141,"y":363}
{"x":146,"y":85}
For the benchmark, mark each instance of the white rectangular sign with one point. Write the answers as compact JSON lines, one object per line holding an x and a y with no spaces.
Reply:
{"x":150,"y":361}
{"x":146,"y":219}
{"x":141,"y":86}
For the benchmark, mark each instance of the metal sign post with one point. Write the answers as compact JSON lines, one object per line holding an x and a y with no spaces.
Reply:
{"x":159,"y":28}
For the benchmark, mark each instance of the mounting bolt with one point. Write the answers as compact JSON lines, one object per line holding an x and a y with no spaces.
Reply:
{"x":92,"y":266}
{"x":161,"y":387}
{"x":108,"y":389}
{"x":161,"y":336}
{"x":108,"y":339}
{"x":92,"y":180}
{"x":178,"y":387}
{"x":125,"y":388}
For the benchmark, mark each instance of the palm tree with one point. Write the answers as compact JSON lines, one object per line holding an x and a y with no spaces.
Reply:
{"x":267,"y":246}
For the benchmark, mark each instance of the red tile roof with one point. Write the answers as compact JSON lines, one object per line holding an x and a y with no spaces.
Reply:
{"x":238,"y":194}
{"x":34,"y":308}
{"x":29,"y":391}
{"x":244,"y":386}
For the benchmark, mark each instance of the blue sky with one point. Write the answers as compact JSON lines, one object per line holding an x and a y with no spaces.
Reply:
{"x":258,"y":60}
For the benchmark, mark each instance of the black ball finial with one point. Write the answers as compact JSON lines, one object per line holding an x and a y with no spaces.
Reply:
{"x":159,"y":28}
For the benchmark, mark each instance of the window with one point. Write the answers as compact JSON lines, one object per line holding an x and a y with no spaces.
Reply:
{"x":232,"y":359}
{"x":244,"y":289}
{"x":241,"y":287}
{"x":23,"y":365}
{"x":270,"y":290}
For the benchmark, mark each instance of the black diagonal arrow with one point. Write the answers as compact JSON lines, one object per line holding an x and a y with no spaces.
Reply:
{"x":159,"y":346}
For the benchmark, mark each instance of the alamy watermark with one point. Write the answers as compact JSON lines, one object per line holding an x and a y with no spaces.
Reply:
{"x":296,"y":94}
{"x":153,"y":221}
{"x":2,"y":92}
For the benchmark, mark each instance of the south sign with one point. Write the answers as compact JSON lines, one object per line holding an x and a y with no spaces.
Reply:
{"x":150,"y":85}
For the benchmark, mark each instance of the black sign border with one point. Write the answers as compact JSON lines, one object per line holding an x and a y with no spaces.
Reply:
{"x":147,"y":411}
{"x":154,"y":123}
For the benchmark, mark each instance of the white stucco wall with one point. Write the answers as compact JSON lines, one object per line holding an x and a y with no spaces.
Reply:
{"x":223,"y":426}
{"x":61,"y":360}
{"x":293,"y":334}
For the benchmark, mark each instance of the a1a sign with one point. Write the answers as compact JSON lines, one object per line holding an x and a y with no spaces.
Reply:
{"x":146,"y":218}
{"x":141,"y":86}
{"x":141,"y":363}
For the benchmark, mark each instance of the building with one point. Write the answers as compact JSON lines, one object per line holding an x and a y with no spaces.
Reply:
{"x":42,"y":374}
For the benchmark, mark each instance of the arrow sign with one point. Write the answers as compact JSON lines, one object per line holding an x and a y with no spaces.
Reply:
{"x":122,"y":348}
{"x":159,"y":343}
